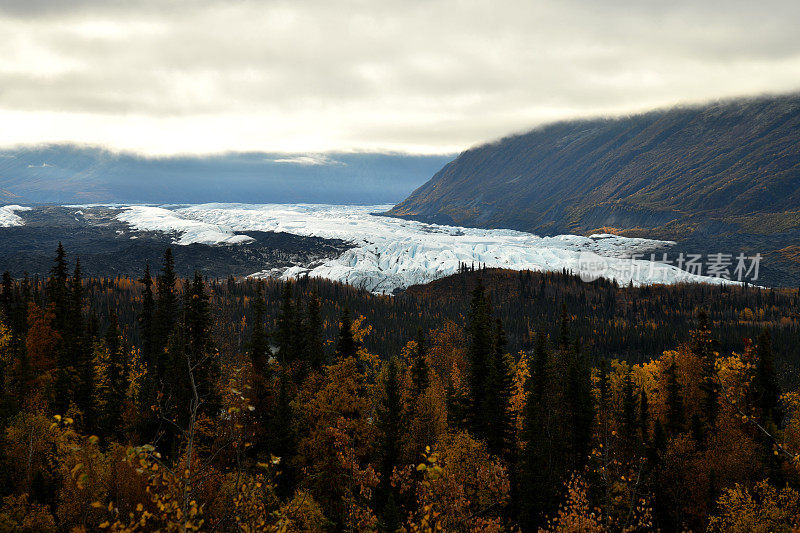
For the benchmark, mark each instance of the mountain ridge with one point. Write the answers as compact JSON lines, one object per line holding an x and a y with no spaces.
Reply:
{"x":727,"y":171}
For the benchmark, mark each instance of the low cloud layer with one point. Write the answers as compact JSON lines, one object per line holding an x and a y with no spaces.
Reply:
{"x":412,"y":75}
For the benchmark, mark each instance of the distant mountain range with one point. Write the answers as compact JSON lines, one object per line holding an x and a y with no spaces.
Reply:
{"x":723,"y":177}
{"x":73,"y":174}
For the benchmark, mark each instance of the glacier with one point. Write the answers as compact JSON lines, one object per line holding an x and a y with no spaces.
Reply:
{"x":9,"y":217}
{"x":390,"y":254}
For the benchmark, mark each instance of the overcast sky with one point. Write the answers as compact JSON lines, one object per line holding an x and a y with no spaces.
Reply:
{"x":428,"y":76}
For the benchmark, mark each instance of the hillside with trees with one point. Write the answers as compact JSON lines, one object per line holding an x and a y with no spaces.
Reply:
{"x":170,"y":404}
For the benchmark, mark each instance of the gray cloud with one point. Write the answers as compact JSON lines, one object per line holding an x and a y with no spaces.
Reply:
{"x":315,"y":75}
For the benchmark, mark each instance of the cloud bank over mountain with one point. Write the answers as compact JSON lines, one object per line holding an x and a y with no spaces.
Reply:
{"x":204,"y":76}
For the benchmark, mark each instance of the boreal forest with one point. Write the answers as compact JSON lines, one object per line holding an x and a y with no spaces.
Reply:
{"x":490,"y":400}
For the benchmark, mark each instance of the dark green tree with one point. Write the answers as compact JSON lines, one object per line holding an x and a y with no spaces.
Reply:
{"x":58,"y":296}
{"x":676,"y":418}
{"x":580,"y":405}
{"x":498,"y":395}
{"x":167,"y":308}
{"x":286,"y":333}
{"x":766,"y":390}
{"x":644,"y":416}
{"x":80,"y":351}
{"x":419,"y":367}
{"x":629,"y":416}
{"x":314,"y":340}
{"x":389,"y":424}
{"x":346,"y":345}
{"x":259,"y":340}
{"x":201,"y":352}
{"x":703,"y":348}
{"x":282,"y":433}
{"x":116,"y":381}
{"x":479,"y":353}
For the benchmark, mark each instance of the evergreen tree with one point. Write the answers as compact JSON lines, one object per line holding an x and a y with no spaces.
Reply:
{"x":498,"y":392}
{"x":79,"y":348}
{"x":146,"y":327}
{"x":644,"y":416}
{"x":167,"y":308}
{"x":314,"y":341}
{"x":419,"y":367}
{"x":286,"y":332}
{"x":703,"y":348}
{"x":148,"y":392}
{"x":389,"y":424}
{"x":539,"y":368}
{"x":479,"y":354}
{"x":603,"y":386}
{"x":259,"y":357}
{"x":629,"y":416}
{"x":7,"y":297}
{"x":675,"y":411}
{"x":282,"y":432}
{"x":259,"y":340}
{"x":580,"y":404}
{"x":540,"y":462}
{"x":58,"y":296}
{"x":201,"y":352}
{"x":58,"y":291}
{"x":116,"y":380}
{"x":346,"y":345}
{"x":563,"y":330}
{"x":767,"y":392}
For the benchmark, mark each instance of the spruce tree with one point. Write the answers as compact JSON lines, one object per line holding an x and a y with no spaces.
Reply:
{"x":629,"y":416}
{"x":116,"y":380}
{"x":539,"y":470}
{"x":167,"y":308}
{"x":58,"y":291}
{"x":539,"y":368}
{"x":148,"y":391}
{"x":498,"y":392}
{"x":285,"y":334}
{"x":604,"y":386}
{"x":580,"y":404}
{"x":766,"y":391}
{"x":314,"y":341}
{"x":675,"y":412}
{"x":259,"y":358}
{"x":419,"y":367}
{"x":389,"y":425}
{"x":80,"y":352}
{"x":703,"y":348}
{"x":58,"y":296}
{"x":346,"y":345}
{"x":563,"y":330}
{"x":145,"y":323}
{"x":259,"y":340}
{"x":282,"y":433}
{"x":644,"y":416}
{"x":201,"y":352}
{"x":479,"y":354}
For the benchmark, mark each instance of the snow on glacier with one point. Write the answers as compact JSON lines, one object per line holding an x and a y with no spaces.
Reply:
{"x":190,"y":231}
{"x":9,"y":217}
{"x":391,"y":253}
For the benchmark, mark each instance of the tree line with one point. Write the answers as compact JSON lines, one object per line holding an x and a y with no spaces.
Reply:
{"x":188,"y":416}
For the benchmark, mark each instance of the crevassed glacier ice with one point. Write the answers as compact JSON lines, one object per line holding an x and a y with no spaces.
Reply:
{"x":391,"y":253}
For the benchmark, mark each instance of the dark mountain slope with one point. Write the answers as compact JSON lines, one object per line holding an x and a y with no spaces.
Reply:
{"x":728,"y":171}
